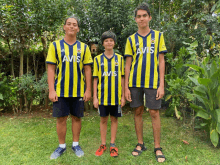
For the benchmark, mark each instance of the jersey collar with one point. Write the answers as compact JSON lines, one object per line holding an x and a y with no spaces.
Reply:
{"x":144,"y":36}
{"x":69,"y":44}
{"x":107,"y":57}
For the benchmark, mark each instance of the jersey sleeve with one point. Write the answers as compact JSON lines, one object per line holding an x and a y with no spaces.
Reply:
{"x":162,"y":47}
{"x":122,"y":67}
{"x":95,"y":68}
{"x":51,"y":56}
{"x":128,"y":48}
{"x":87,"y":57}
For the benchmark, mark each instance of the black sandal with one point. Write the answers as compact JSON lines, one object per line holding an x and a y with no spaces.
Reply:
{"x":143,"y":148}
{"x":159,"y":156}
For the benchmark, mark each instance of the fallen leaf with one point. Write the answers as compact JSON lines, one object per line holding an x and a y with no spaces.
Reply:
{"x":185,"y":142}
{"x":186,"y":158}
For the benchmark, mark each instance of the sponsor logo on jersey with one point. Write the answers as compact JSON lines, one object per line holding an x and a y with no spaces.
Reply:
{"x":71,"y":59}
{"x":102,"y":63}
{"x":62,"y":50}
{"x":145,"y":49}
{"x":110,"y":73}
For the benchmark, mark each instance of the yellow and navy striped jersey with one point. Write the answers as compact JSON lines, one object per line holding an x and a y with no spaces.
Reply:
{"x":145,"y":52}
{"x":109,"y":73}
{"x":69,"y":61}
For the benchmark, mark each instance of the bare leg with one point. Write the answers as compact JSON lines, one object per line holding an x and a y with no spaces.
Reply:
{"x":76,"y":128}
{"x":61,"y":129}
{"x":155,"y":116}
{"x":139,"y":126}
{"x":103,"y":128}
{"x":114,"y":126}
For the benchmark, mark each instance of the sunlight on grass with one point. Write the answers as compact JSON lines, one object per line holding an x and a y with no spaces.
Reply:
{"x":31,"y":141}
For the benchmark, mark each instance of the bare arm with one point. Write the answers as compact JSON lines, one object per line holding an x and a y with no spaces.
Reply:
{"x":51,"y":78}
{"x":95,"y":95}
{"x":160,"y":90}
{"x":88,"y":77}
{"x":123,"y":92}
{"x":127,"y":72}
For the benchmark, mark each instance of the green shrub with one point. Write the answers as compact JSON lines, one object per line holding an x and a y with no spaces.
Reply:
{"x":207,"y":95}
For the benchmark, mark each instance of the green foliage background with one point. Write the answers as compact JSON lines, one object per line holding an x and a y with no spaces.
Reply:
{"x":192,"y":36}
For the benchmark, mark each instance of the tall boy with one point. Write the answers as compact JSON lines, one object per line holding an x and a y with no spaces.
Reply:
{"x":108,"y":95}
{"x":144,"y":73}
{"x":67,"y":58}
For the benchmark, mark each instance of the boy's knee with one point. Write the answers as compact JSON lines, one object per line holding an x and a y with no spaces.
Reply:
{"x":62,"y":120}
{"x":139,"y":111}
{"x":154,"y":113}
{"x":114,"y":119}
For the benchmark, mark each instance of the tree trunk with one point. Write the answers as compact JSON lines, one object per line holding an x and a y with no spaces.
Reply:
{"x":12,"y":66}
{"x":46,"y":101}
{"x":26,"y":102}
{"x":43,"y":40}
{"x":21,"y":72}
{"x":35,"y":66}
{"x":12,"y":59}
{"x":27,"y":64}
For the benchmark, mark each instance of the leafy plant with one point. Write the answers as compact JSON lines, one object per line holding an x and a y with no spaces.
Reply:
{"x":207,"y":93}
{"x":178,"y":83}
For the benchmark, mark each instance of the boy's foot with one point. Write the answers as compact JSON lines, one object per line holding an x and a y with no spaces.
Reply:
{"x":159,"y":155}
{"x":139,"y":149}
{"x":78,"y":151}
{"x":114,"y":151}
{"x":57,"y":153}
{"x":101,"y":150}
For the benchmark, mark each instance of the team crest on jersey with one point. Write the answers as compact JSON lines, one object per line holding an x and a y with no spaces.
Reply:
{"x":152,"y":41}
{"x":78,"y":51}
{"x":116,"y":63}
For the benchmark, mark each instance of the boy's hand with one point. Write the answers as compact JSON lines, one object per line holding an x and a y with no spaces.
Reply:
{"x":87,"y":96}
{"x":128,"y":95}
{"x":123,"y":101}
{"x":53,"y":96}
{"x":96,"y":103}
{"x":160,"y":93}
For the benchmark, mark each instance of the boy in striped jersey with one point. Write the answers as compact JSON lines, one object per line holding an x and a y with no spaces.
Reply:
{"x":144,"y":74}
{"x":108,"y":95}
{"x":67,"y":58}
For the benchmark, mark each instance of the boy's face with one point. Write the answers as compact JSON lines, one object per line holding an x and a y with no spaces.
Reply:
{"x":109,"y":44}
{"x":71,"y":27}
{"x":142,"y":19}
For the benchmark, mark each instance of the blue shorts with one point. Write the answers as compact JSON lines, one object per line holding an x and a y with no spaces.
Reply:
{"x":113,"y":110}
{"x":68,"y":105}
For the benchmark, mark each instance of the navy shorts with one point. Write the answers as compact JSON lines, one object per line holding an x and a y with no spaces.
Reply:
{"x":68,"y":105}
{"x":113,"y":110}
{"x":150,"y":98}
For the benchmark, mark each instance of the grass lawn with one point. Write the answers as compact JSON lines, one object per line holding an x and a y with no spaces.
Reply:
{"x":31,"y":140}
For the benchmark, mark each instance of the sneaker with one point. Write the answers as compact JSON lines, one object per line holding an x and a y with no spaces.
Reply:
{"x":113,"y":151}
{"x":78,"y":151}
{"x":57,"y":153}
{"x":101,"y":150}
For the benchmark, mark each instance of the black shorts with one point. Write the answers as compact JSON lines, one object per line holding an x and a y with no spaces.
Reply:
{"x":113,"y":110}
{"x":150,"y":98}
{"x":68,"y":105}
